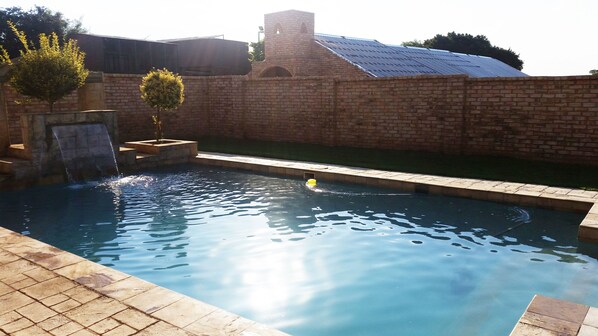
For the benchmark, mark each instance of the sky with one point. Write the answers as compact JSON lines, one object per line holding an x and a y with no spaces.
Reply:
{"x":552,"y":37}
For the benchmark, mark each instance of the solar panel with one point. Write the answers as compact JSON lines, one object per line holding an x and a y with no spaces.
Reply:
{"x":380,"y":60}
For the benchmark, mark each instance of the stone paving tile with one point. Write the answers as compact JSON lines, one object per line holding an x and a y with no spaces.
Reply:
{"x":15,"y":268}
{"x":588,"y":331}
{"x":40,"y":274}
{"x":126,"y":288}
{"x":54,"y":300}
{"x":592,"y":317}
{"x":48,"y":288}
{"x":262,"y":330}
{"x":23,"y":283}
{"x":66,"y":305}
{"x":31,"y":331}
{"x":54,"y":322}
{"x":94,"y":311}
{"x":134,"y":318}
{"x":212,"y":324}
{"x":36,"y":312}
{"x":101,"y":278}
{"x":17,"y":325}
{"x":122,"y":330}
{"x":84,"y":332}
{"x":9,"y":317}
{"x":12,"y":239}
{"x":14,"y":278}
{"x":4,"y":289}
{"x":32,"y":250}
{"x":550,"y":323}
{"x":523,"y":329}
{"x":559,"y":309}
{"x":162,"y":328}
{"x":6,"y":257}
{"x":154,"y":299}
{"x":105,"y":325}
{"x":66,"y":329}
{"x":60,"y":260}
{"x":13,"y":301}
{"x":184,"y":312}
{"x":238,"y":326}
{"x":81,"y":294}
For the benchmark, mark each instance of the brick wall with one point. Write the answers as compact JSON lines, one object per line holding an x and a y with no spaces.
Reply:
{"x":553,"y":118}
{"x":16,"y":105}
{"x":134,"y":116}
{"x":546,"y":118}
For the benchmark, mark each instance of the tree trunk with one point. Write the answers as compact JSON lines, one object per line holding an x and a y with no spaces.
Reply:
{"x":158,"y":123}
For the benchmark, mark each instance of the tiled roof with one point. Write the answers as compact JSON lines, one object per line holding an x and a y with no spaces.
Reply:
{"x":381,"y":60}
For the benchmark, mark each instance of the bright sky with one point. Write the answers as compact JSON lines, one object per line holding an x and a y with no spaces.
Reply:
{"x":553,"y":37}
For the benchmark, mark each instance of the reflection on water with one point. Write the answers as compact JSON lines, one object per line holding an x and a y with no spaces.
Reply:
{"x":335,"y":259}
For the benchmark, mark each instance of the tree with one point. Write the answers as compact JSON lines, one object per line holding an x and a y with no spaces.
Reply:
{"x":469,"y":44}
{"x":39,"y":20}
{"x":47,"y":73}
{"x":162,"y":90}
{"x":257,"y":51}
{"x":594,"y":72}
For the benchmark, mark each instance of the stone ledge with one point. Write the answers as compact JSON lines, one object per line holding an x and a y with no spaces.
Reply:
{"x":53,"y":291}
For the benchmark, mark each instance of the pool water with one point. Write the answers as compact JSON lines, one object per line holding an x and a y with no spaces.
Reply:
{"x":335,"y":260}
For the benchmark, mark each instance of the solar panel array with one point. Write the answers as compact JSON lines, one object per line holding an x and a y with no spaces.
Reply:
{"x":381,"y":60}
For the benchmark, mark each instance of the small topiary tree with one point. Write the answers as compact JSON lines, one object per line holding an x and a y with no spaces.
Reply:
{"x":162,"y":90}
{"x":48,"y":73}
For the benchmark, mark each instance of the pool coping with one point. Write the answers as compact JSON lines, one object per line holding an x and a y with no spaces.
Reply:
{"x":47,"y":291}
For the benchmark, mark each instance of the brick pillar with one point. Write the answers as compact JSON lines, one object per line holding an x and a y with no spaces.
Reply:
{"x":91,"y":95}
{"x":4,"y":139}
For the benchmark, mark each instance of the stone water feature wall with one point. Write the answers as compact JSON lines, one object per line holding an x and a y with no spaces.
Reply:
{"x":41,"y":147}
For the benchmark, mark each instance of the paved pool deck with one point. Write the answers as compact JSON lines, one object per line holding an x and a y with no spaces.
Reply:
{"x":47,"y":291}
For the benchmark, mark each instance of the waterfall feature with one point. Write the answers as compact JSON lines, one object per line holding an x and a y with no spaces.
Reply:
{"x":86,"y":151}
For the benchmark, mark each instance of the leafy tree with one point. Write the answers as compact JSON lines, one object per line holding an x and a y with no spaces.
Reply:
{"x":47,"y":73}
{"x":162,"y":90}
{"x":469,"y":44}
{"x":39,"y":20}
{"x":594,"y":72}
{"x":257,"y":51}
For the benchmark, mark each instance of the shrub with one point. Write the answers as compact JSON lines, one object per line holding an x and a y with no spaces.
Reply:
{"x":49,"y":72}
{"x":162,"y":90}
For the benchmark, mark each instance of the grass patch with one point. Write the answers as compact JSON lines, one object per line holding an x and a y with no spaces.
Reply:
{"x":466,"y":166}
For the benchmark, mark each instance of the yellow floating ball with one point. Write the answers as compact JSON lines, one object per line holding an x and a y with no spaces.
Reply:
{"x":311,"y":182}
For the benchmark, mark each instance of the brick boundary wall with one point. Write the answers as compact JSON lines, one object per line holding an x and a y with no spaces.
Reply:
{"x":542,"y":118}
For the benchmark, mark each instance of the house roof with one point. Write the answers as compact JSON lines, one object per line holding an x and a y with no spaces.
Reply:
{"x":381,"y":60}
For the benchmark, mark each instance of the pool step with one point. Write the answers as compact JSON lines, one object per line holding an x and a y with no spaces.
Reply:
{"x":126,"y":156}
{"x":18,"y":151}
{"x":16,"y":167}
{"x":144,"y":157}
{"x":5,"y":177}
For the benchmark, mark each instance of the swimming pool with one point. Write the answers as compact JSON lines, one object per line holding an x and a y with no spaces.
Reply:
{"x":340,"y":260}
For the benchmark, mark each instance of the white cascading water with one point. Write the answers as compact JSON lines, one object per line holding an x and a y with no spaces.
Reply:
{"x":86,"y":151}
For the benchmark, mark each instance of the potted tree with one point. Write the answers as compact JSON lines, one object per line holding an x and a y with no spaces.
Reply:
{"x":163,"y":90}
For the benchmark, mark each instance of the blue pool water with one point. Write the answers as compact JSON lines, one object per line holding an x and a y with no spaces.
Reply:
{"x":339,"y":260}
